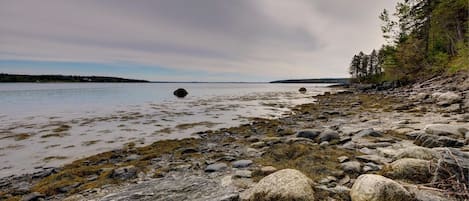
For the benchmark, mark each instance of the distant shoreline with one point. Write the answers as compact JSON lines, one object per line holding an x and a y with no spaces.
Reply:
{"x":17,"y":78}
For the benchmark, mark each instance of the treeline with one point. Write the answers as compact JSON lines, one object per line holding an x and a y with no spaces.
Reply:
{"x":366,"y":67}
{"x":424,"y":38}
{"x":61,"y":78}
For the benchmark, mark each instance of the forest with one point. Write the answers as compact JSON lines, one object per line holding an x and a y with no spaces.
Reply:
{"x":424,"y":38}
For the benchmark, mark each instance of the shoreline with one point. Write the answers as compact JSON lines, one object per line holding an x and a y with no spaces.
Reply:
{"x":319,"y":139}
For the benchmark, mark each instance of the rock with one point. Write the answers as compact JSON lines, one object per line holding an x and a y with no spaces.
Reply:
{"x":216,"y":167}
{"x":416,"y":170}
{"x":373,"y":158}
{"x":430,"y":141}
{"x":33,"y":196}
{"x":241,"y":163}
{"x":428,"y":194}
{"x":337,"y":192}
{"x":351,"y":166}
{"x":258,"y":144}
{"x":132,"y":157}
{"x":418,"y":153}
{"x":302,"y":90}
{"x":286,"y":184}
{"x":447,"y":98}
{"x":446,"y":130}
{"x":124,"y":173}
{"x":367,"y":132}
{"x":328,"y":135}
{"x":324,"y":144}
{"x":266,"y":170}
{"x":180,"y":93}
{"x":371,"y":167}
{"x":242,"y":174}
{"x":310,"y":133}
{"x":327,"y":180}
{"x":371,"y":187}
{"x":342,"y":159}
{"x":420,"y":96}
{"x":76,"y":197}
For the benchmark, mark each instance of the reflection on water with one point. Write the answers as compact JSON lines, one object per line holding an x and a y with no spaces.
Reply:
{"x":49,"y":124}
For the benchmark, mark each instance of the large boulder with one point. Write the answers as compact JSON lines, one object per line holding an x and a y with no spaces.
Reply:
{"x":371,"y":187}
{"x":286,"y":184}
{"x":411,"y":169}
{"x":180,"y":93}
{"x":417,"y":152}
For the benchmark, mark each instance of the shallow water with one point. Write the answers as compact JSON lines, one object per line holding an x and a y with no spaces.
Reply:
{"x":43,"y":125}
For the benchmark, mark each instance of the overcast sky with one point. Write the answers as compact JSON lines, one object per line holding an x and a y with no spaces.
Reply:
{"x":188,"y":40}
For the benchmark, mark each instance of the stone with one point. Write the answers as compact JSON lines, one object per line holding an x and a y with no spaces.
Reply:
{"x":180,"y":93}
{"x":127,"y":172}
{"x":76,"y":197}
{"x":371,"y":187}
{"x":302,"y":90}
{"x":337,"y":192}
{"x":258,"y":144}
{"x":446,"y":130}
{"x":327,"y":180}
{"x":367,"y":132}
{"x":373,"y":158}
{"x":342,"y":159}
{"x":447,"y":98}
{"x":328,"y":135}
{"x":418,"y":153}
{"x":428,"y":194}
{"x":351,"y":166}
{"x":266,"y":170}
{"x":371,"y":167}
{"x":241,"y":163}
{"x":430,"y":141}
{"x":416,"y":170}
{"x":420,"y":96}
{"x":33,"y":196}
{"x":309,"y":133}
{"x":286,"y":184}
{"x":216,"y":167}
{"x":242,"y":174}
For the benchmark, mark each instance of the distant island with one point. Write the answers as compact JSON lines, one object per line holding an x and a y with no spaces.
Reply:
{"x":62,"y":78}
{"x":318,"y":80}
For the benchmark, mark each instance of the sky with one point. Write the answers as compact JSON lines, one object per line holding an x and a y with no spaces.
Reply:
{"x":188,"y":40}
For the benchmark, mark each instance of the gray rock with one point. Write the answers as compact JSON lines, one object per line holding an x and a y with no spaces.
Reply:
{"x":447,"y":98}
{"x":328,"y":135}
{"x":367,"y":132}
{"x":371,"y":187}
{"x":309,"y":133}
{"x":266,"y":170}
{"x":342,"y":159}
{"x":416,"y":170}
{"x":33,"y":196}
{"x":241,"y":163}
{"x":180,"y":93}
{"x":351,"y":166}
{"x":371,"y":167}
{"x":124,"y":173}
{"x":446,"y":130}
{"x":428,"y":195}
{"x":418,"y":153}
{"x":430,"y":141}
{"x":242,"y":174}
{"x":283,"y":184}
{"x":216,"y":167}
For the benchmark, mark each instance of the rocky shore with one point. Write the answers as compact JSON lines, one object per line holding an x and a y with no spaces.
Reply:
{"x":408,"y":143}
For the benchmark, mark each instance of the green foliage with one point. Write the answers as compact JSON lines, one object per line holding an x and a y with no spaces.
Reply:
{"x":427,"y":38}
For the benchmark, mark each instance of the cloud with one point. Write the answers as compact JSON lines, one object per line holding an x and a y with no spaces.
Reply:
{"x":262,"y":38}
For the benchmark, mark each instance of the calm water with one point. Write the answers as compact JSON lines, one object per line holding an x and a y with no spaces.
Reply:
{"x":50,"y":124}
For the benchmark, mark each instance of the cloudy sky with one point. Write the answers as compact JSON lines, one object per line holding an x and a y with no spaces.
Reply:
{"x":188,"y":40}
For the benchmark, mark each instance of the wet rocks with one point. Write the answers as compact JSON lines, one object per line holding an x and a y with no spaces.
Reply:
{"x":447,"y":98}
{"x":180,"y":93}
{"x":124,"y":173}
{"x":286,"y":184}
{"x":371,"y":187}
{"x":241,"y":163}
{"x":216,"y":167}
{"x":446,"y":130}
{"x":416,"y":170}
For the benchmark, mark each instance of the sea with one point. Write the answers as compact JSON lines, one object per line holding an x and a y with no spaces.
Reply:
{"x":45,"y":125}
